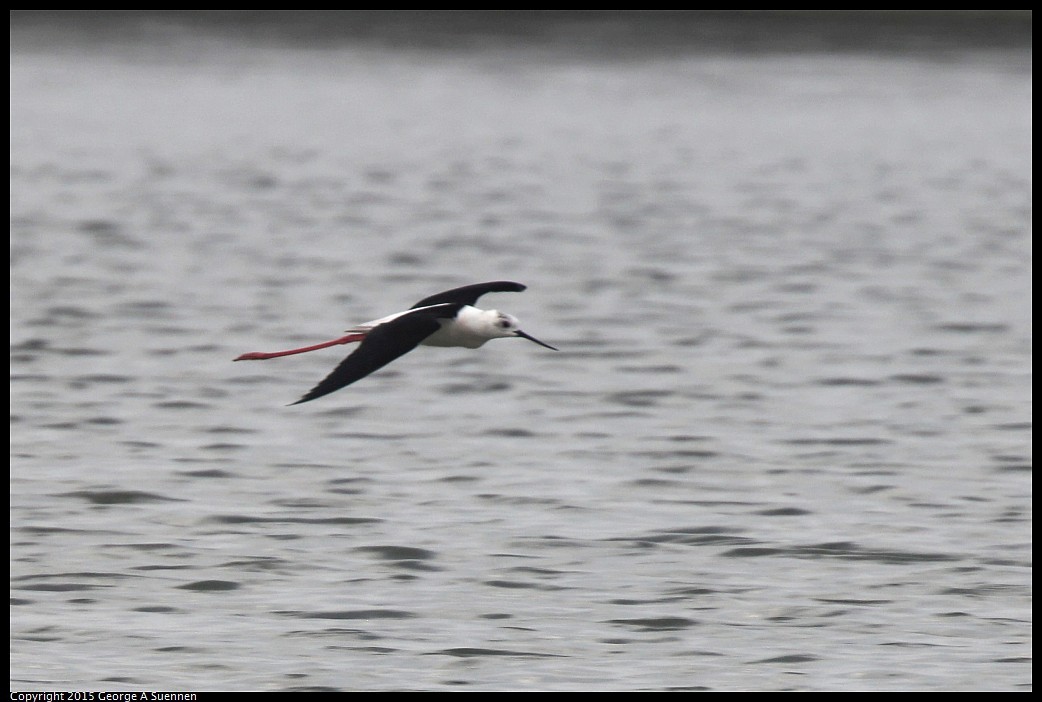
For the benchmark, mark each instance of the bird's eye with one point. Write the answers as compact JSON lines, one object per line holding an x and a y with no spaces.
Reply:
{"x":504,"y":324}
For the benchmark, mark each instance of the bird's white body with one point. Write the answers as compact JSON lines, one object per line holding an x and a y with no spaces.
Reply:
{"x":470,"y":328}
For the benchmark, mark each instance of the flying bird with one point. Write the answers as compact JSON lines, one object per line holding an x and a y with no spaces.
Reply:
{"x":446,"y":319}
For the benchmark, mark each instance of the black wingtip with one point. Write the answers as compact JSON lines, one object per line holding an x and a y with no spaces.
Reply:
{"x":469,"y":294}
{"x":311,"y":395}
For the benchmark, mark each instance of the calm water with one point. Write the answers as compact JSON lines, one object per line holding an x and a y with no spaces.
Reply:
{"x":786,"y":443}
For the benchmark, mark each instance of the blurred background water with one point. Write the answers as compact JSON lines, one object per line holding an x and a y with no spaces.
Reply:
{"x":786,"y":443}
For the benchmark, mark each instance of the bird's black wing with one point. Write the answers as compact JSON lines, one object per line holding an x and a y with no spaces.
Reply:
{"x":381,"y":346}
{"x":469,"y":294}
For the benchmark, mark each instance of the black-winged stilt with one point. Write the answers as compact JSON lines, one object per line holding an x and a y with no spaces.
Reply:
{"x":446,"y":319}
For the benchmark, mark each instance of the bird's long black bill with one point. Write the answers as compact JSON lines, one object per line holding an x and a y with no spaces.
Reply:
{"x":532,"y":338}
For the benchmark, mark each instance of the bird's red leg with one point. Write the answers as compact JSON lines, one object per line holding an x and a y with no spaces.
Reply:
{"x":262,"y":356}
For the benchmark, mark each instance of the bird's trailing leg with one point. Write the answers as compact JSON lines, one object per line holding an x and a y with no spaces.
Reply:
{"x":262,"y":356}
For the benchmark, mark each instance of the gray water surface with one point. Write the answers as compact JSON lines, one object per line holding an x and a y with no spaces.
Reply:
{"x":786,"y":443}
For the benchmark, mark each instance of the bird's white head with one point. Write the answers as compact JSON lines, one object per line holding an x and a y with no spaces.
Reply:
{"x":502,"y":325}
